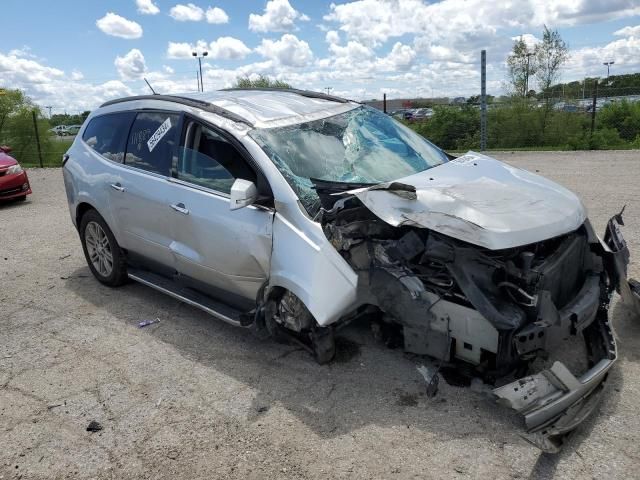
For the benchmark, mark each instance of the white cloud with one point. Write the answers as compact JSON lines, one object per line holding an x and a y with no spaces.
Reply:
{"x":216,"y":15}
{"x":227,"y":48}
{"x":278,"y":16}
{"x":465,"y":24}
{"x":628,"y":31}
{"x":529,"y":39}
{"x":187,"y":13}
{"x":147,"y":7}
{"x":400,"y":58}
{"x":76,"y":75}
{"x":288,"y":51}
{"x":332,"y":37}
{"x":132,"y":66}
{"x":587,"y":61}
{"x":24,"y":51}
{"x":118,"y":26}
{"x":51,"y":86}
{"x":353,"y":51}
{"x":168,"y":69}
{"x":224,"y":48}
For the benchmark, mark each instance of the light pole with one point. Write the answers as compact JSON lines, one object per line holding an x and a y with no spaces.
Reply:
{"x":199,"y":57}
{"x":608,"y":64}
{"x":526,"y":80}
{"x":328,"y":89}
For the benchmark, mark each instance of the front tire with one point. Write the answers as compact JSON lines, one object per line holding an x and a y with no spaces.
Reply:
{"x":104,"y":256}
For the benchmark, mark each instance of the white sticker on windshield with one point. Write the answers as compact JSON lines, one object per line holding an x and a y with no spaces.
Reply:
{"x":159,"y":133}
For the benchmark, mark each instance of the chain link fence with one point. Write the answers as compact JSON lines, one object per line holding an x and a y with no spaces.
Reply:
{"x":589,"y":118}
{"x":31,"y":140}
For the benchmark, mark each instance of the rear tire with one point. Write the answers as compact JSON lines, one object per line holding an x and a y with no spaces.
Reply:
{"x":105,"y":258}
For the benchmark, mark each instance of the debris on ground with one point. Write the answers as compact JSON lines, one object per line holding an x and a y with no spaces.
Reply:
{"x":94,"y":426}
{"x":432,"y":378}
{"x":148,"y":322}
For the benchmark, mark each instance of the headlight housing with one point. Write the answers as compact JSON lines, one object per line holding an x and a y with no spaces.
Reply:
{"x":14,"y":169}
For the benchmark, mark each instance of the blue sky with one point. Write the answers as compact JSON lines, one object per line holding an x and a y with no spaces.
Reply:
{"x":74,"y":54}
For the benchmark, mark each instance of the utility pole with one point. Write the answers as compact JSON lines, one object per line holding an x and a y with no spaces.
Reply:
{"x":593,"y":105}
{"x":199,"y":57}
{"x":526,"y":81}
{"x":483,"y":100}
{"x":328,"y":89}
{"x":49,"y":107}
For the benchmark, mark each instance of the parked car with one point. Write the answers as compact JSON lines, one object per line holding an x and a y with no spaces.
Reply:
{"x":60,"y":130}
{"x":293,"y":213}
{"x":14,"y":183}
{"x":73,"y":129}
{"x":421,"y":114}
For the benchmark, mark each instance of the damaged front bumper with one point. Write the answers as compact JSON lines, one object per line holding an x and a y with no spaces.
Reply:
{"x":553,"y":402}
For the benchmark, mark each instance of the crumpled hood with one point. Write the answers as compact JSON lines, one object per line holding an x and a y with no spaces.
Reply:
{"x":480,"y":200}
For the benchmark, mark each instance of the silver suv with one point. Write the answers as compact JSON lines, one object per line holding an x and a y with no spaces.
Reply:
{"x":292,"y":213}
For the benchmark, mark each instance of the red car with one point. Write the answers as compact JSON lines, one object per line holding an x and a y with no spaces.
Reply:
{"x":13,"y":179}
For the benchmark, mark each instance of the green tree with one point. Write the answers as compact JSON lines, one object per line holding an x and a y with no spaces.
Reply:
{"x":17,"y":129}
{"x":624,"y":117}
{"x":520,"y":67}
{"x":551,"y":53}
{"x":262,"y":82}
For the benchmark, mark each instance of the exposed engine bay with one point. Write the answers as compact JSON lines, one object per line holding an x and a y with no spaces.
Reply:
{"x":496,"y":315}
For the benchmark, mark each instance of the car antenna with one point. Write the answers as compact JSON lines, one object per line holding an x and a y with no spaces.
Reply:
{"x":154,"y":92}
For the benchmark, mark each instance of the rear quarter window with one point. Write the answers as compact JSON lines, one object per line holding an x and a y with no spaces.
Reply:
{"x":107,"y":134}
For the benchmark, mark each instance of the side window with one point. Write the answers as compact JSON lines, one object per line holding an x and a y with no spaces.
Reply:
{"x":107,"y":134}
{"x":209,"y":160}
{"x":152,"y":142}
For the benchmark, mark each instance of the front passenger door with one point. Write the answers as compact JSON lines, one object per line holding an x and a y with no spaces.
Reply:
{"x":227,"y":252}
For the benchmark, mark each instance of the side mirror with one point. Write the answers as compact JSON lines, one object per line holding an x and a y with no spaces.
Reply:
{"x":6,"y":149}
{"x":243,"y":193}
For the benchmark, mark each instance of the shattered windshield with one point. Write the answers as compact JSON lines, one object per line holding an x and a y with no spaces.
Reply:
{"x":360,"y":146}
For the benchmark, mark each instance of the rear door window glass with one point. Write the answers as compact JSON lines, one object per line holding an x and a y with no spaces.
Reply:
{"x":107,"y":134}
{"x":152,"y":142}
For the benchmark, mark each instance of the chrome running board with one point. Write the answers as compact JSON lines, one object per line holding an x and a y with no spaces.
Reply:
{"x":188,"y":296}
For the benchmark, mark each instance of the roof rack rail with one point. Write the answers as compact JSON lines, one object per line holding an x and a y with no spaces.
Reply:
{"x":190,"y":102}
{"x":303,"y":93}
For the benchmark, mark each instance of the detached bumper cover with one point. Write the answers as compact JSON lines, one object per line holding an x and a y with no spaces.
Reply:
{"x":554,"y":402}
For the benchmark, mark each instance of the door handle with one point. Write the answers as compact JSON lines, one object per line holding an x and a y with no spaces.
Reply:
{"x":118,"y":187}
{"x":179,"y":207}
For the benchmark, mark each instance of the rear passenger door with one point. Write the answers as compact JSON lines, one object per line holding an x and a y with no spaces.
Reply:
{"x":225,"y":253}
{"x":141,"y":195}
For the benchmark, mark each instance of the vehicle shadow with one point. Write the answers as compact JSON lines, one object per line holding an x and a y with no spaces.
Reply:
{"x":12,"y":204}
{"x":367,"y":384}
